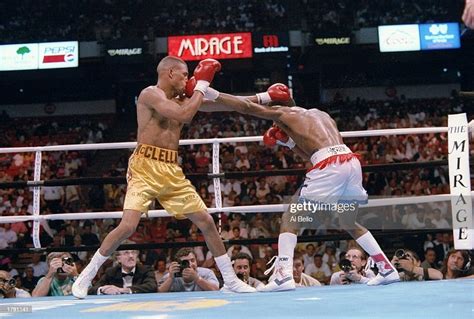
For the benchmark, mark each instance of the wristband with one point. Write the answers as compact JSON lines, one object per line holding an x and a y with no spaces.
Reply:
{"x":290,"y":143}
{"x":426,"y":275}
{"x":201,"y":86}
{"x":211,"y":94}
{"x":263,"y":98}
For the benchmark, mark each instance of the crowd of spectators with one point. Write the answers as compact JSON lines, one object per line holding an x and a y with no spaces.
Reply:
{"x":88,"y":20}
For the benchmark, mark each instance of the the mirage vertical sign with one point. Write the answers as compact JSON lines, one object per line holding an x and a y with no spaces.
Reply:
{"x":460,"y":181}
{"x":55,"y":55}
{"x":216,"y":46}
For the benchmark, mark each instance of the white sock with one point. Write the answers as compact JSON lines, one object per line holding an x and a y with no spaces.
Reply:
{"x":370,"y":245}
{"x":225,"y":267}
{"x":287,"y":244}
{"x":96,"y":261}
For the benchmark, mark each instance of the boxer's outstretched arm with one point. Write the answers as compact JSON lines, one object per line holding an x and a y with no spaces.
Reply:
{"x":247,"y":107}
{"x":217,"y":106}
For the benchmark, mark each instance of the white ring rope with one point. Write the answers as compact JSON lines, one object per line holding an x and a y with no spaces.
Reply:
{"x":124,"y":145}
{"x":276,"y":208}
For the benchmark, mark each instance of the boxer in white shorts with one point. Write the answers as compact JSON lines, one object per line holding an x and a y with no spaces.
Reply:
{"x":336,"y":177}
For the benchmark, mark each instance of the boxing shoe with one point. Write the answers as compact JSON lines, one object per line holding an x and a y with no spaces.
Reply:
{"x":282,"y":277}
{"x":83,"y":282}
{"x":237,"y":285}
{"x":385,"y":279}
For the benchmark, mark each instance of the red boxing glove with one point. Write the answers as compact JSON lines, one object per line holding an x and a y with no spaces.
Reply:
{"x":190,"y":85}
{"x":281,"y":135}
{"x":269,"y":137}
{"x":283,"y":139}
{"x":278,"y":92}
{"x":206,"y":69}
{"x":210,"y":93}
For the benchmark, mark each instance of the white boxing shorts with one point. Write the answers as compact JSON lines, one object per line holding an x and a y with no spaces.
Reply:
{"x":336,"y":176}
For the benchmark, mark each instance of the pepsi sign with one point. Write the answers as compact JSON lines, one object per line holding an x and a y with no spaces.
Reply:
{"x":54,"y":55}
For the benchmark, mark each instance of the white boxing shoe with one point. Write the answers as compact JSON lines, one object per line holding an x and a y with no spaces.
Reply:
{"x":385,"y":279}
{"x":82,"y":283}
{"x":282,"y":277}
{"x":238,"y":286}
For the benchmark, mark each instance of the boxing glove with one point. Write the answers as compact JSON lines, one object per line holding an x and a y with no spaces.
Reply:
{"x":269,"y":137}
{"x":204,"y":73}
{"x":283,"y":139}
{"x":210,"y":94}
{"x":278,"y":92}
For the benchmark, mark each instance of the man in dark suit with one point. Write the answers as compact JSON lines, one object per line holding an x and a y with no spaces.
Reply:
{"x":126,"y":278}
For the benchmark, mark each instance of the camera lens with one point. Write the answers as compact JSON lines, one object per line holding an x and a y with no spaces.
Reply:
{"x":400,"y":253}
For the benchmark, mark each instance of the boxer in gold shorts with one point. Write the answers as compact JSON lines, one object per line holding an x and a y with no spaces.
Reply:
{"x":153,"y":172}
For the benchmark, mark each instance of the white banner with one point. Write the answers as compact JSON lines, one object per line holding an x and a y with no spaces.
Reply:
{"x":460,"y":181}
{"x":397,"y":38}
{"x":19,"y":57}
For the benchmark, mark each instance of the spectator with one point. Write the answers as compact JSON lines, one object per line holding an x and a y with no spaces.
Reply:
{"x":8,"y":289}
{"x":430,"y":259}
{"x":40,"y":268}
{"x":127,"y":277}
{"x":184,"y":275}
{"x":318,"y":270}
{"x":160,"y":269}
{"x":88,"y":238}
{"x":7,"y":236}
{"x":308,"y":257}
{"x":30,"y":280}
{"x":60,"y":277}
{"x":357,"y":273}
{"x":241,"y":263}
{"x":302,"y":279}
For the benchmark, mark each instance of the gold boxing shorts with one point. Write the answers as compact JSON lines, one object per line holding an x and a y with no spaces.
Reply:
{"x":153,"y":173}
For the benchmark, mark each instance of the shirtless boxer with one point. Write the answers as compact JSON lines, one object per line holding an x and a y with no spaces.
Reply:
{"x":153,"y":172}
{"x":335,"y":177}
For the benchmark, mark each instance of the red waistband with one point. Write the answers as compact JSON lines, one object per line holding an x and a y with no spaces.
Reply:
{"x":342,"y":158}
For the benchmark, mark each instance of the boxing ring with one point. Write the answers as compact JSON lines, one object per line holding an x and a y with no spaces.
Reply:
{"x":355,"y":301}
{"x":432,"y":299}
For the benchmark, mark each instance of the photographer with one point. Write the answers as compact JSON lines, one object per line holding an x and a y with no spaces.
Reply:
{"x":8,"y":289}
{"x":241,"y":263}
{"x":126,"y":278}
{"x":184,"y":275}
{"x":408,"y":265}
{"x":353,"y":269}
{"x":60,"y":277}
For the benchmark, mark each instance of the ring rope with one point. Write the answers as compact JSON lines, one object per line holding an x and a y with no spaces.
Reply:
{"x":125,"y":145}
{"x":275,"y":208}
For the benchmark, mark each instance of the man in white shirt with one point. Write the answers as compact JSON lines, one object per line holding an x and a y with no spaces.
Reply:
{"x":40,"y":268}
{"x":319,"y":270}
{"x":302,"y":279}
{"x":8,"y":235}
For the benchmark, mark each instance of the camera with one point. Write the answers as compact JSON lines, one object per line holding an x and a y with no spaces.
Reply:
{"x":8,"y":285}
{"x":241,"y":276}
{"x":68,"y":261}
{"x":345,"y":265}
{"x":182,"y":265}
{"x":400,"y":254}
